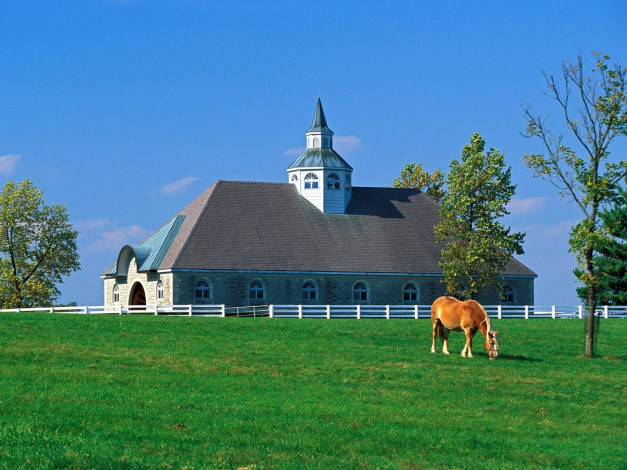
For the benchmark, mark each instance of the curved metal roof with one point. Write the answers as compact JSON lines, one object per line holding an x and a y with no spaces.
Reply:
{"x":320,"y":158}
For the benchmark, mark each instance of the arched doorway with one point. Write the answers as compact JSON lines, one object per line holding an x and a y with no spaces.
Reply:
{"x":138,"y":295}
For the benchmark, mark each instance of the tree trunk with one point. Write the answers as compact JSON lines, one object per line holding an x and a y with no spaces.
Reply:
{"x":592,"y":305}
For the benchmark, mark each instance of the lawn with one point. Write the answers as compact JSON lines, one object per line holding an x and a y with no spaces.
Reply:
{"x":139,"y":391}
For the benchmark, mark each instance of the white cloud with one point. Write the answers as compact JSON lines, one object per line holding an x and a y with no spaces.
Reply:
{"x":346,"y":143}
{"x":8,"y":163}
{"x":90,"y":225}
{"x":178,"y":186}
{"x":519,"y":206}
{"x":294,"y":152}
{"x":117,"y":238}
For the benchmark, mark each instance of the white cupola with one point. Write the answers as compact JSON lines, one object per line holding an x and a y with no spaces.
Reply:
{"x":320,"y":174}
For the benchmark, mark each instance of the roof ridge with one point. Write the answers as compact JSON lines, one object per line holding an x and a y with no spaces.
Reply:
{"x":211,"y":188}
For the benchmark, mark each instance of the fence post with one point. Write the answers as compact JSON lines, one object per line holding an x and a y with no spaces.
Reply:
{"x":120,"y":309}
{"x":156,"y":311}
{"x":358,"y":312}
{"x":271,"y":311}
{"x":552,"y":311}
{"x":606,"y":311}
{"x":328,"y":312}
{"x":581,"y":311}
{"x":300,"y":311}
{"x":526,"y":312}
{"x":499,"y":310}
{"x":416,"y":311}
{"x":387,"y":312}
{"x":223,"y":310}
{"x":85,"y":311}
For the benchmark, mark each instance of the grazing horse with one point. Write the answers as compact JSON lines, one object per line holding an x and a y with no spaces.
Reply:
{"x":448,"y":313}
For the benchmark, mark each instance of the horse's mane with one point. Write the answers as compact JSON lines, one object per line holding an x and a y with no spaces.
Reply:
{"x":487,"y":319}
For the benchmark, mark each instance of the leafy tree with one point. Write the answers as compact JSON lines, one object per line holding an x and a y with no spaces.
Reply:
{"x":478,"y":245}
{"x":611,"y":261}
{"x":413,"y":176}
{"x":595,"y":110}
{"x":37,"y":247}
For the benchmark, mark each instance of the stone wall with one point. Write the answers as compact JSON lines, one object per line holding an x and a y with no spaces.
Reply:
{"x":232,"y":288}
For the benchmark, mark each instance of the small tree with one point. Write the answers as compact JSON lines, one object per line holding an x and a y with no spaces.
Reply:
{"x":413,"y":176}
{"x":37,"y":247}
{"x":595,"y":110}
{"x":478,"y":245}
{"x":610,"y":263}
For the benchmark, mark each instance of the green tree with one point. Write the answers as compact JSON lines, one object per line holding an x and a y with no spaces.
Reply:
{"x":413,"y":176}
{"x":595,"y":110}
{"x":478,"y":246}
{"x":610,"y":263}
{"x":37,"y":247}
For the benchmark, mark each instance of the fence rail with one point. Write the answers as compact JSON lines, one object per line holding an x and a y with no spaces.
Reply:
{"x":330,"y":311}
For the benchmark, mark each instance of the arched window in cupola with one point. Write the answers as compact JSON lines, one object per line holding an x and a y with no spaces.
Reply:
{"x":347,"y":182}
{"x":311,"y":181}
{"x":333,"y":181}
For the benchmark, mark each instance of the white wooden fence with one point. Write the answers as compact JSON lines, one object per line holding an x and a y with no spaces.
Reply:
{"x":330,"y":311}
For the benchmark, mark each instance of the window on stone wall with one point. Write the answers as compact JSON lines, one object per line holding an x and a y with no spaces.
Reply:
{"x":160,"y":291}
{"x":333,"y":181}
{"x":116,"y":294}
{"x":509,"y":295}
{"x":203,"y":290}
{"x":256,"y":291}
{"x":310,"y":291}
{"x":410,"y":292}
{"x":311,"y":181}
{"x":360,"y":292}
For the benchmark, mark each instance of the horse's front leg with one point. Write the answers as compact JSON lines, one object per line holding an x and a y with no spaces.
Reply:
{"x":468,"y":347}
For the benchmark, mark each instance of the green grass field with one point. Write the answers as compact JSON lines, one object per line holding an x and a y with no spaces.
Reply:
{"x":176,"y":392}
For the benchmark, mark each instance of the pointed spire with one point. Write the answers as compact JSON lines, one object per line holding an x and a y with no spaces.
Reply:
{"x":319,"y":121}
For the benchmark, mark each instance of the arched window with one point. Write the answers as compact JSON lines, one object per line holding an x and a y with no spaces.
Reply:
{"x":294,"y":178}
{"x":202,"y":291}
{"x":347,"y":183}
{"x":410,"y":292}
{"x":311,"y":181}
{"x":160,"y":292}
{"x":316,"y":142}
{"x":310,"y":291}
{"x":333,"y":181}
{"x":116,"y":294}
{"x":256,"y":291}
{"x":360,"y":292}
{"x":509,"y":295}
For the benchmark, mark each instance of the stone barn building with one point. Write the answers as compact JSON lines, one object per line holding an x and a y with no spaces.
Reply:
{"x":316,"y":239}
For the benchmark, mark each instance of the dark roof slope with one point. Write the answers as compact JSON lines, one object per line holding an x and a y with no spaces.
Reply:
{"x":270,"y":227}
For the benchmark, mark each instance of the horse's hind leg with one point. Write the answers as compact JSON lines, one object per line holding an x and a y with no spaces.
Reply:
{"x":444,"y":335}
{"x":435,"y":332}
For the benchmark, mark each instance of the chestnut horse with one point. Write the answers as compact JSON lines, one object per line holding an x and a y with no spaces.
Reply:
{"x":448,"y":313}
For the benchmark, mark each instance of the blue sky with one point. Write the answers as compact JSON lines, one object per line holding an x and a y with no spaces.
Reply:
{"x":127,"y":110}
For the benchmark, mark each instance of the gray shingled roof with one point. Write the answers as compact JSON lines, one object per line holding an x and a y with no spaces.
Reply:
{"x":270,"y":227}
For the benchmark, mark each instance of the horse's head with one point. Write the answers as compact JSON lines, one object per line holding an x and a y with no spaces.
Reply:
{"x":492,"y":344}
